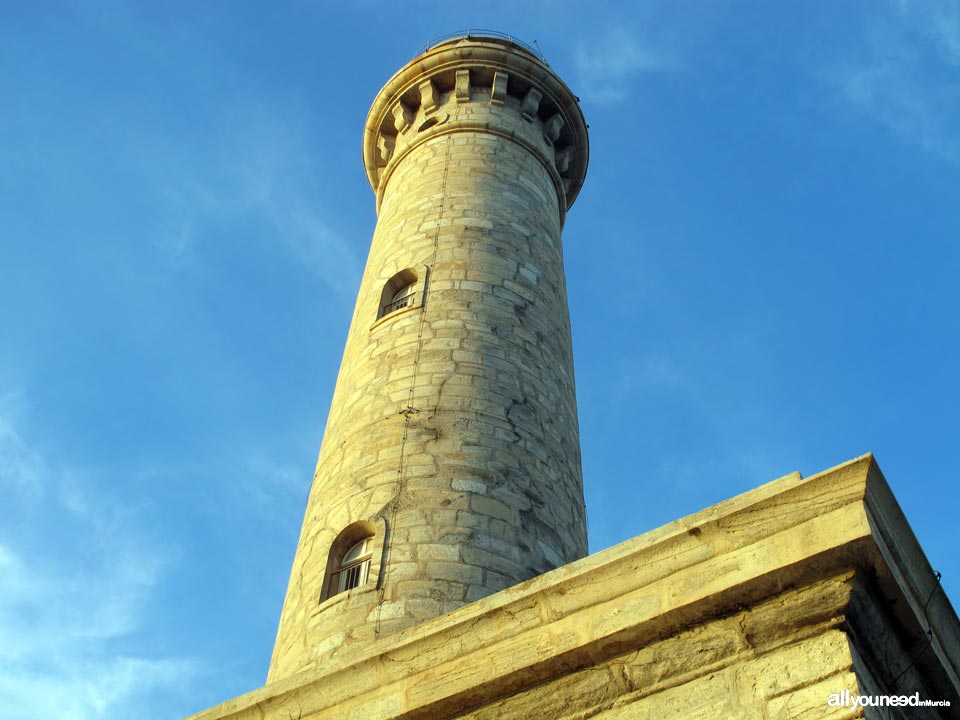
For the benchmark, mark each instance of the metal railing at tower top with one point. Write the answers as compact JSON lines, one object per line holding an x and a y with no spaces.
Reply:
{"x":479,"y":35}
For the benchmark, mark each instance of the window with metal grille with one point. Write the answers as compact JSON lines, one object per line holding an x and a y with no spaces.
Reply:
{"x":354,"y":567}
{"x":399,"y":292}
{"x":403,"y":297}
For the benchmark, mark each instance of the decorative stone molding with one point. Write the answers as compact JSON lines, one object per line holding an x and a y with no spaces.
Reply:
{"x":385,"y":145}
{"x":499,"y":90}
{"x":531,"y":102}
{"x":463,"y":85}
{"x":402,"y":118}
{"x":428,"y":96}
{"x":551,"y":129}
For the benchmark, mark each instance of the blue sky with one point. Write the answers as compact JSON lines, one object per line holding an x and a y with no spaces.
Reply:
{"x":761,"y":267}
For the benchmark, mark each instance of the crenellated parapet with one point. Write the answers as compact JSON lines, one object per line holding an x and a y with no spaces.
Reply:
{"x":479,"y":84}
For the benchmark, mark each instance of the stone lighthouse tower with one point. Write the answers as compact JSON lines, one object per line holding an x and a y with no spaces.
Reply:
{"x":450,"y":465}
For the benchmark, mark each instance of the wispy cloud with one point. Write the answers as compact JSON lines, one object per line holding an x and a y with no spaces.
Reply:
{"x":68,"y":690}
{"x":259,"y":176}
{"x":945,"y":28}
{"x":904,"y":75}
{"x":282,"y":199}
{"x":607,"y":66}
{"x":21,"y":469}
{"x":274,"y":490}
{"x":76,"y":580}
{"x":728,"y":437}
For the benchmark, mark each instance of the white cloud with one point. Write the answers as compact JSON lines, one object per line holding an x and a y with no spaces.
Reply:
{"x":607,"y":67}
{"x":76,"y":579}
{"x":259,"y":176}
{"x":302,"y":230}
{"x":904,"y":76}
{"x":277,"y":491}
{"x":945,"y":27}
{"x":21,"y":469}
{"x":102,"y":688}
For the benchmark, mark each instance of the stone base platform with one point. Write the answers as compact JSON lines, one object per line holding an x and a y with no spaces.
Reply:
{"x":758,"y":607}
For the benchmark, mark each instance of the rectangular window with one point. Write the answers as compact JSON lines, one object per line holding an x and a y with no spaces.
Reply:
{"x":353,"y":575}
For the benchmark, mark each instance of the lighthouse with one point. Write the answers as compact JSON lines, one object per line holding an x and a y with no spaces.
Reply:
{"x":450,"y":464}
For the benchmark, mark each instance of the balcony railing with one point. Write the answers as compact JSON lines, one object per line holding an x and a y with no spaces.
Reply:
{"x":351,"y":576}
{"x":479,"y":35}
{"x":398,"y":303}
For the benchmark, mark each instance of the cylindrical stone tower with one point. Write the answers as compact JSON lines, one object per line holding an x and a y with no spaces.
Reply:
{"x":450,"y":466}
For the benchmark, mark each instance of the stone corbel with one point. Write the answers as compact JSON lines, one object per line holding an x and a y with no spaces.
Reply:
{"x":551,"y":128}
{"x":531,"y":103}
{"x":499,"y":90}
{"x":463,"y":86}
{"x":429,"y":97}
{"x":563,"y":159}
{"x":385,"y":146}
{"x":402,"y":117}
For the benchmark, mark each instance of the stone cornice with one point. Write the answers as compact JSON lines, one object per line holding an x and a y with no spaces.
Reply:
{"x":423,"y":97}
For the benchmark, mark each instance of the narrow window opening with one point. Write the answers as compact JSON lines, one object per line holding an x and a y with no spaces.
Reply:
{"x":401,"y":298}
{"x":354,"y":568}
{"x":399,"y":292}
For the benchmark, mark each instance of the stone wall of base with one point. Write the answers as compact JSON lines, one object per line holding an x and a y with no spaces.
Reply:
{"x":781,"y":658}
{"x":759,"y":607}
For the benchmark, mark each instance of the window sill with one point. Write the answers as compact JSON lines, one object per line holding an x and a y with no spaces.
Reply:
{"x":344,"y":596}
{"x":395,"y":314}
